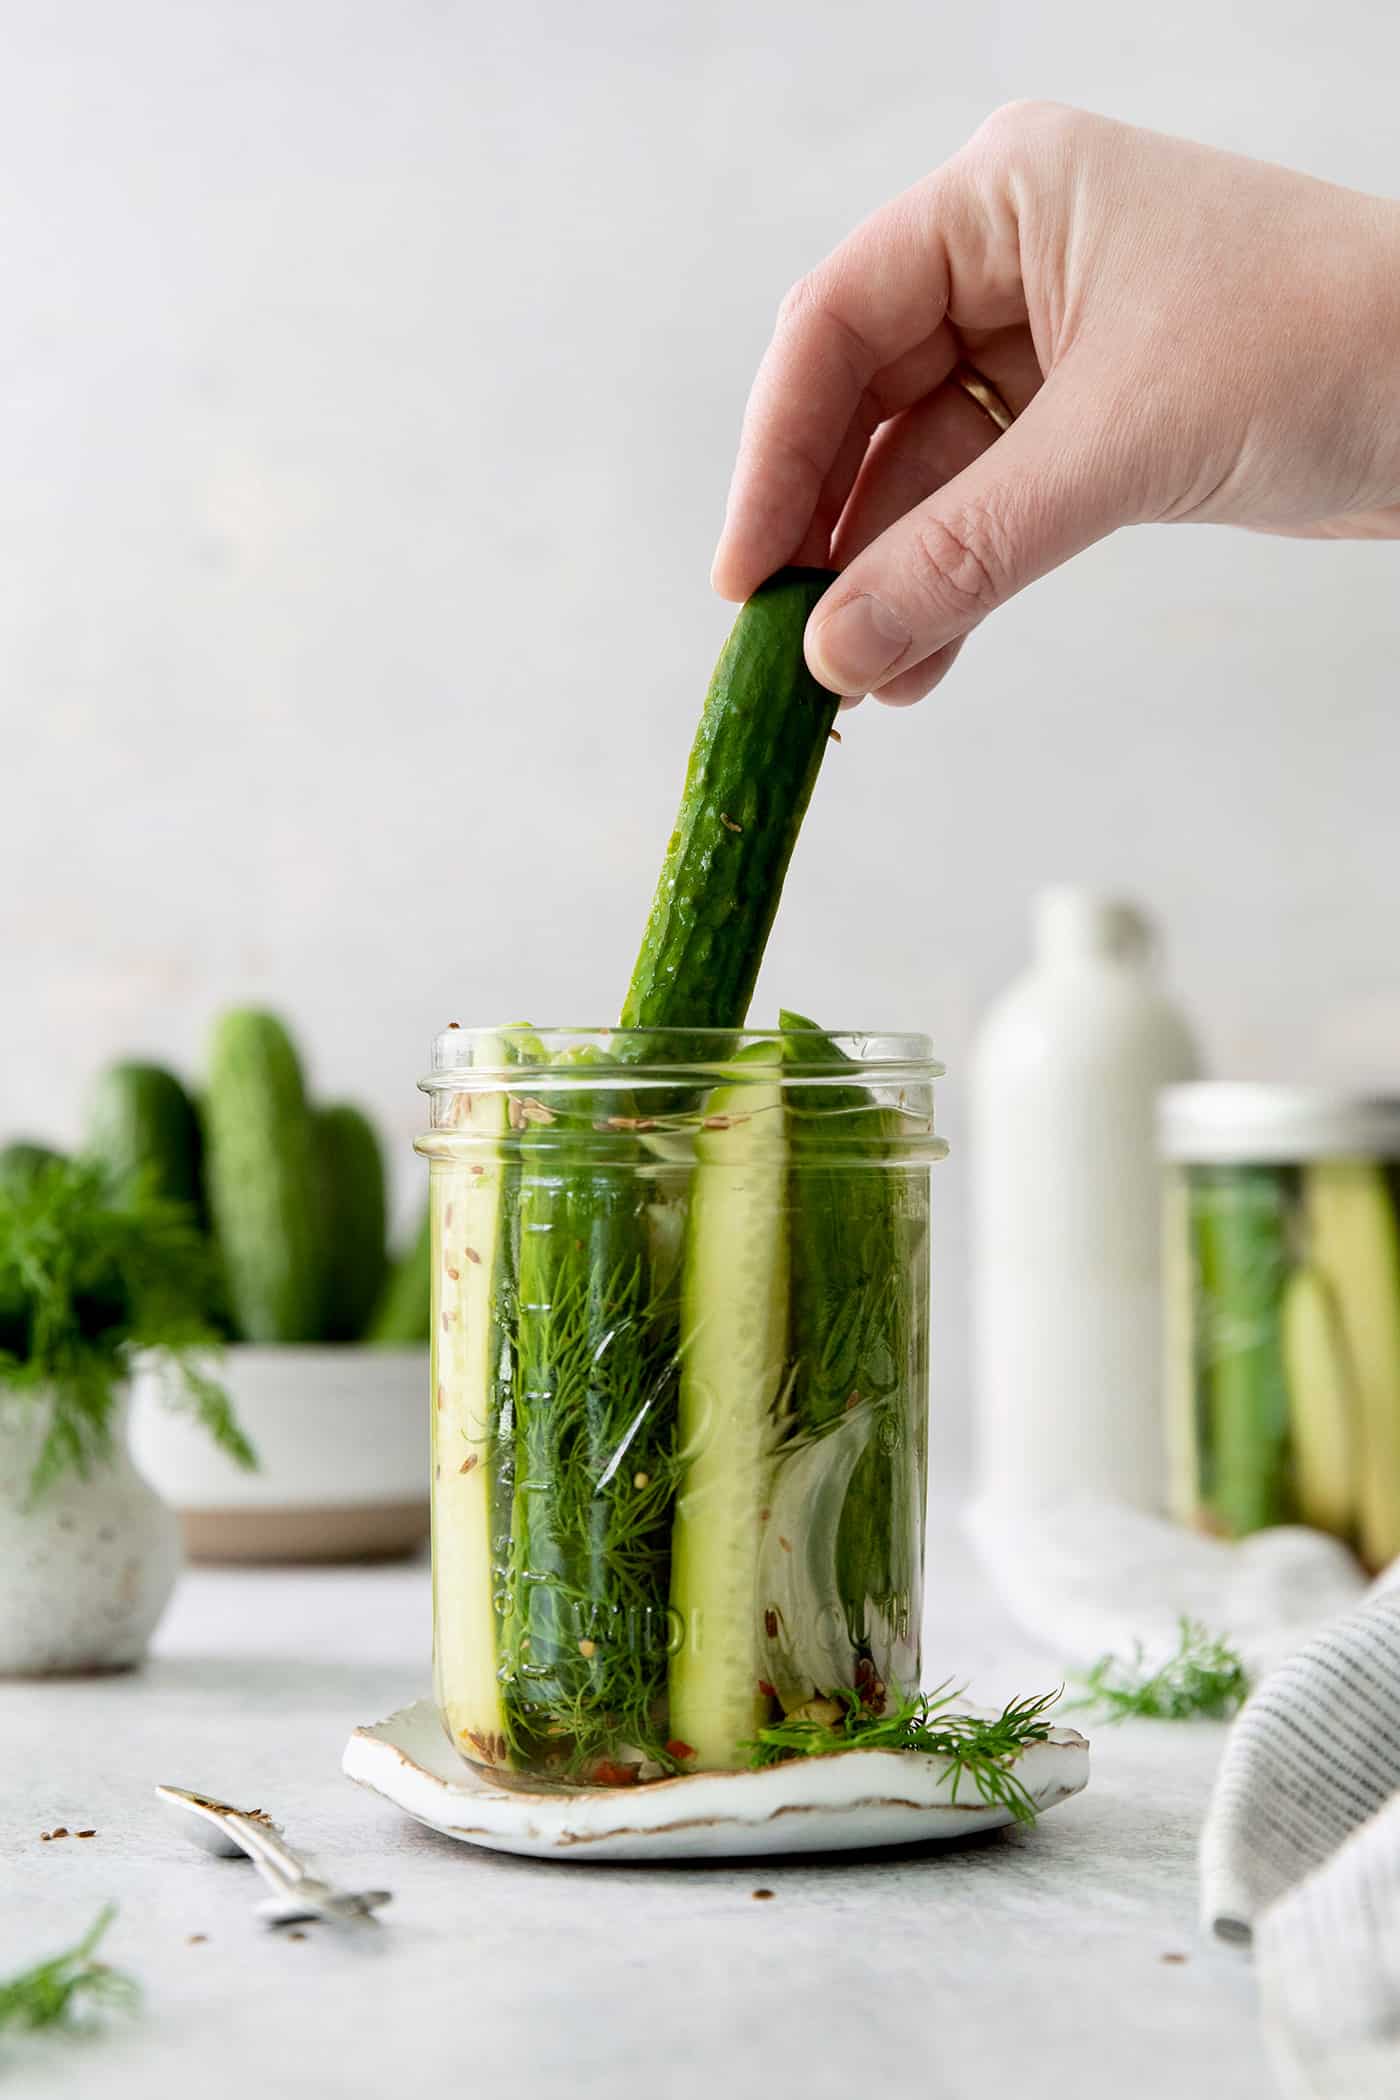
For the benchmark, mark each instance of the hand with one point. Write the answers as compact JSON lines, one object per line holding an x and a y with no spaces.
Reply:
{"x":1181,"y":335}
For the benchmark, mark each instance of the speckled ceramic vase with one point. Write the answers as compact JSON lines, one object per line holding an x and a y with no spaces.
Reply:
{"x":88,"y":1568}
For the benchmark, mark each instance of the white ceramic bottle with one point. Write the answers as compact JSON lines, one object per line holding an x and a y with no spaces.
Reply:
{"x":1066,"y":1210}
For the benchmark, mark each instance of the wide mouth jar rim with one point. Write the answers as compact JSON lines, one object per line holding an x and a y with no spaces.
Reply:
{"x":508,"y":1055}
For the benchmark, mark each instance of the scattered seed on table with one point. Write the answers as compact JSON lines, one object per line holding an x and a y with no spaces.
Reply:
{"x":86,"y":1833}
{"x":296,"y":1935}
{"x":1174,"y":1958}
{"x":762,"y":1895}
{"x":60,"y":1832}
{"x":196,"y":1939}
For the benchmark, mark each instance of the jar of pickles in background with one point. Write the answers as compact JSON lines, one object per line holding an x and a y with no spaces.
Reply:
{"x":680,"y":1363}
{"x":1282,"y":1240}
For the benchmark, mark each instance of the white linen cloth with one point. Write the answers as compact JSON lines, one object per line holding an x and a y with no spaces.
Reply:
{"x":1300,"y":1853}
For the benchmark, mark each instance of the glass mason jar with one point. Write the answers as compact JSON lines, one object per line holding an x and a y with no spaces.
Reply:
{"x":1283,"y":1311}
{"x":680,"y":1367}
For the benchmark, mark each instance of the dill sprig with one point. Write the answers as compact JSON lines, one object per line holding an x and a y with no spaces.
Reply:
{"x":975,"y":1749}
{"x":1204,"y":1680}
{"x":89,"y":1276}
{"x":593,"y":1470}
{"x":67,"y":1988}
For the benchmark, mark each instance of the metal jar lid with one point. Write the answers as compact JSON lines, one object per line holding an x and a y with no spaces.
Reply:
{"x":1227,"y":1123}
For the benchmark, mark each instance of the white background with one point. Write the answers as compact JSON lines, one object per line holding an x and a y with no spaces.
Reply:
{"x":369,"y":377}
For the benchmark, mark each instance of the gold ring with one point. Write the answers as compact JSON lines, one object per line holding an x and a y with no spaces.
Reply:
{"x":983,"y":393}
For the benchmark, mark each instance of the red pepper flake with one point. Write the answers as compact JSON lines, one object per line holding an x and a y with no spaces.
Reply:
{"x":768,"y":1690}
{"x":606,"y":1773}
{"x":679,"y":1750}
{"x":468,"y":1463}
{"x":441,"y":1395}
{"x":472,"y":1255}
{"x":770,"y":1623}
{"x":852,"y":1400}
{"x":764,"y":1515}
{"x":786,"y":1544}
{"x":869,"y":1687}
{"x":447,"y":1215}
{"x":455,"y":1274}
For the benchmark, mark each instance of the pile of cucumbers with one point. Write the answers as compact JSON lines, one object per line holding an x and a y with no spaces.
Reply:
{"x":291,"y":1192}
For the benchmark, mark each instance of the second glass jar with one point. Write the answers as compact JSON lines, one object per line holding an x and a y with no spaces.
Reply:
{"x":680,"y":1364}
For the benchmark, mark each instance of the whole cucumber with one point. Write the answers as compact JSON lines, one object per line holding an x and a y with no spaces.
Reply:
{"x":754,"y":763}
{"x":262,"y":1179}
{"x":141,"y":1121}
{"x":351,"y":1189}
{"x":404,"y":1311}
{"x":21,"y":1163}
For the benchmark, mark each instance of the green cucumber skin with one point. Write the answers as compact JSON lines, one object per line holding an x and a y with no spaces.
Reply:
{"x":142,"y":1121}
{"x":857,"y":1229}
{"x":1240,"y":1223}
{"x":404,"y":1312}
{"x":352,"y":1208}
{"x":262,"y":1179}
{"x":752,"y":769}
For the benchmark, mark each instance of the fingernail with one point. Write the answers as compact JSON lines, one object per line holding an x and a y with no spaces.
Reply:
{"x":858,"y":644}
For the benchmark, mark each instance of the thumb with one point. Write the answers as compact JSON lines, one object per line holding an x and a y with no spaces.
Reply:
{"x":1046,"y":489}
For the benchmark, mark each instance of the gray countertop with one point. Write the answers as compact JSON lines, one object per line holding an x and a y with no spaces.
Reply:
{"x":1026,"y":1959}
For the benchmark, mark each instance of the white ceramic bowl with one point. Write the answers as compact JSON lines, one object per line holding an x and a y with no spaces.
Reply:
{"x":342,"y":1438}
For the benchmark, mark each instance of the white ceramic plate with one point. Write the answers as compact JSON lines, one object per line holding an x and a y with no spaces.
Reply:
{"x":822,"y":1804}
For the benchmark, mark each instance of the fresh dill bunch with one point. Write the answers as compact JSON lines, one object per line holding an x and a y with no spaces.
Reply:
{"x":1204,"y":1680}
{"x":89,"y":1276}
{"x":975,"y":1749}
{"x":67,"y":1988}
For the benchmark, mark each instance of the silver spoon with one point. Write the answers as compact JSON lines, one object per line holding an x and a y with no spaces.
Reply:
{"x":298,"y":1893}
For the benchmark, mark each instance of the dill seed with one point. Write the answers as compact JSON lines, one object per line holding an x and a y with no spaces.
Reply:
{"x":455,"y":1274}
{"x":468,"y":1463}
{"x":472,"y":1255}
{"x":60,"y":1832}
{"x":87,"y":1833}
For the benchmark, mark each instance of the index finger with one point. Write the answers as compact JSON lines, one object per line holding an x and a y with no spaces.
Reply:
{"x":946,"y":247}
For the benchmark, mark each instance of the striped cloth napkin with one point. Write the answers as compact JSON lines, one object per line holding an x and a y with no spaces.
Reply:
{"x":1301,"y":1854}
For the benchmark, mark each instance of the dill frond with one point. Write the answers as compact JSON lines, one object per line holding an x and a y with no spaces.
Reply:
{"x":1204,"y":1680}
{"x":69,"y":1987}
{"x":976,"y":1751}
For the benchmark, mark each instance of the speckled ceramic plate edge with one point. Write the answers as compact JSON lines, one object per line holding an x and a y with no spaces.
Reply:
{"x":829,"y":1804}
